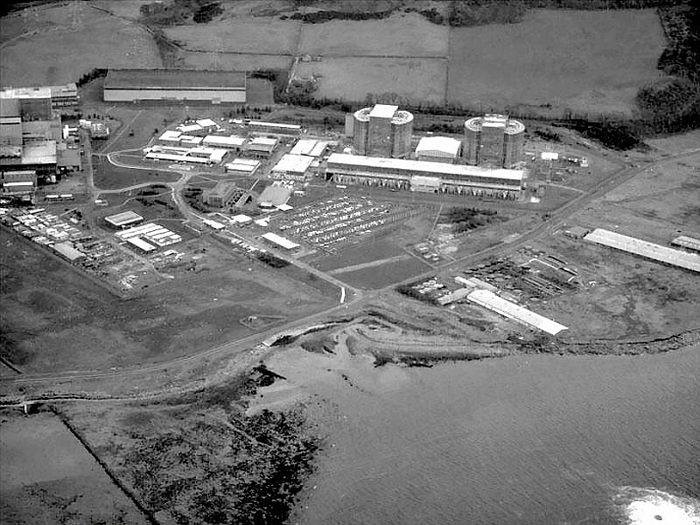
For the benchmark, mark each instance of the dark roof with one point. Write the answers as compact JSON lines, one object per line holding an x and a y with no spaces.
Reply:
{"x":173,"y":78}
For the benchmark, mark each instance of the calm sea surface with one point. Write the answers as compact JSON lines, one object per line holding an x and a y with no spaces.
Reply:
{"x":521,"y":440}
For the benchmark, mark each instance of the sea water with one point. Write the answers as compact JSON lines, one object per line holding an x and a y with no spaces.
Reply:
{"x":520,"y":440}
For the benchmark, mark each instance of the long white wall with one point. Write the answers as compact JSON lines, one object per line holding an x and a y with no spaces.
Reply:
{"x":129,"y":95}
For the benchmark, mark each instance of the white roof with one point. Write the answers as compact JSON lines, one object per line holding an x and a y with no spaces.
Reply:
{"x":191,"y":127}
{"x":293,"y":163}
{"x":383,"y":111}
{"x":214,"y":224}
{"x":285,"y":207}
{"x":123,"y":218}
{"x":218,"y":140}
{"x":280,"y":241}
{"x":266,"y":141}
{"x":190,"y":139}
{"x":170,"y":136}
{"x":274,"y":124}
{"x":490,"y":300}
{"x":687,"y":242}
{"x":422,"y":180}
{"x":241,"y":219}
{"x":549,"y":155}
{"x":247,"y":165}
{"x":207,"y":123}
{"x":446,"y":145}
{"x":310,"y":147}
{"x":433,"y":168}
{"x":140,"y":243}
{"x":689,"y":261}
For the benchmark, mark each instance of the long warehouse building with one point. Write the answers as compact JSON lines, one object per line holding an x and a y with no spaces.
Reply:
{"x":432,"y":177}
{"x":175,"y":85}
{"x":646,"y":249}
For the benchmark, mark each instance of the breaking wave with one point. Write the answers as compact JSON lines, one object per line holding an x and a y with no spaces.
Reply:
{"x":645,"y":506}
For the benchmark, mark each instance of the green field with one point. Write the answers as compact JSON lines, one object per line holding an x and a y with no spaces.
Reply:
{"x":590,"y":61}
{"x":65,"y":42}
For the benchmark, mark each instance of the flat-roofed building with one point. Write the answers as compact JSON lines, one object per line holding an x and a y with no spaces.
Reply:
{"x":10,"y":131}
{"x":279,"y":241}
{"x":424,"y":176}
{"x":260,"y":147}
{"x":40,"y":157}
{"x":231,"y":143}
{"x":438,"y":149}
{"x":259,"y":127}
{"x":34,"y":103}
{"x":196,"y":155}
{"x":68,"y":251}
{"x":648,"y":250}
{"x":223,"y":194}
{"x":493,"y":302}
{"x":274,"y":195}
{"x":689,"y":243}
{"x":124,"y":219}
{"x":310,"y":147}
{"x":243,"y":166}
{"x":175,"y":85}
{"x":293,"y":167}
{"x":170,"y":137}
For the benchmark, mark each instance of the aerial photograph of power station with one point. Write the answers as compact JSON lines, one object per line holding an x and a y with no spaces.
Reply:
{"x":350,"y":262}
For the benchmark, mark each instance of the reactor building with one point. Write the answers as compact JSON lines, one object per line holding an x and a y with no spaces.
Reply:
{"x":493,"y":141}
{"x":382,"y":131}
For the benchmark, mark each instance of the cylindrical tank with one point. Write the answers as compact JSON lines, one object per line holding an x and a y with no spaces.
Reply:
{"x":514,"y":140}
{"x":402,"y":132}
{"x":472,"y":140}
{"x":361,"y":130}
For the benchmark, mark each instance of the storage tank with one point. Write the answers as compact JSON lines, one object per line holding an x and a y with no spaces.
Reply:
{"x":514,"y":141}
{"x":472,"y":142}
{"x":361,"y":130}
{"x":402,"y":132}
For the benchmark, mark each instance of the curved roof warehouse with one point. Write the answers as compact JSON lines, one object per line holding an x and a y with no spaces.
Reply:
{"x":143,"y":85}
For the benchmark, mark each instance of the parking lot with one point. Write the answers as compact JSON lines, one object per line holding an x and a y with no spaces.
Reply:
{"x":338,"y":220}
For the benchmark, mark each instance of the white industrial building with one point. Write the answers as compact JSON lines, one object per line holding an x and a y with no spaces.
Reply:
{"x":648,"y":250}
{"x":438,"y":149}
{"x":293,"y":167}
{"x":217,"y":141}
{"x":143,"y":85}
{"x":309,"y":147}
{"x":280,"y":241}
{"x":242,"y":166}
{"x":196,"y":155}
{"x":424,"y":176}
{"x":493,"y":302}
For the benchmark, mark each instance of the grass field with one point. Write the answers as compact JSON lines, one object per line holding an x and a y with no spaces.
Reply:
{"x":86,"y":327}
{"x":583,"y":60}
{"x":403,"y":35}
{"x":375,"y":277}
{"x":414,"y":79}
{"x":64,"y":44}
{"x":110,"y":177}
{"x":48,"y":477}
{"x":239,"y":35}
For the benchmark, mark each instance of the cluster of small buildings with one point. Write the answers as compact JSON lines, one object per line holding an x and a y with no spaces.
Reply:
{"x":146,"y":237}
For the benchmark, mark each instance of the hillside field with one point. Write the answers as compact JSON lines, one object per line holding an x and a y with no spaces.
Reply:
{"x":591,"y":61}
{"x":64,"y":42}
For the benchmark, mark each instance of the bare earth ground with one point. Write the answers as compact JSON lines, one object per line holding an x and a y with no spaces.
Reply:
{"x":676,"y":143}
{"x":583,"y":60}
{"x":86,"y":327}
{"x":63,"y":45}
{"x":48,"y":477}
{"x":627,"y":294}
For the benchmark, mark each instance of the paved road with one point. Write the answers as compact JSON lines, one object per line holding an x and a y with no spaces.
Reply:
{"x":359,"y":299}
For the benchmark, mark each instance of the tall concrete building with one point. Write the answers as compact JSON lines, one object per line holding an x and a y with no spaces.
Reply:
{"x":493,"y":140}
{"x":383,"y":131}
